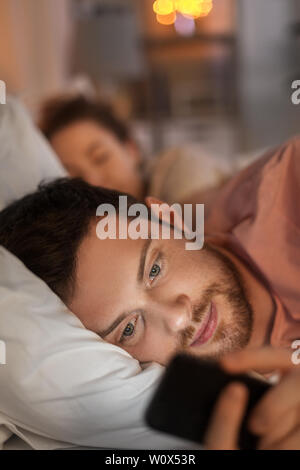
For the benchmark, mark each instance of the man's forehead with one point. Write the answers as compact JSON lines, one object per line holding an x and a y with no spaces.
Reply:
{"x":106,"y":276}
{"x":108,"y":249}
{"x":112,"y":256}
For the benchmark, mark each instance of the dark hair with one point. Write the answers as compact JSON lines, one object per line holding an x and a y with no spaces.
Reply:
{"x":61,"y":111}
{"x":45,"y":229}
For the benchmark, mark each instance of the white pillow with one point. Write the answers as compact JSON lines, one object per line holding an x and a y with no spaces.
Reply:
{"x":61,"y":381}
{"x":26,"y":158}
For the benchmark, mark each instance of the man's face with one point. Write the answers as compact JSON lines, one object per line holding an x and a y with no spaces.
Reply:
{"x":154,"y":298}
{"x":93,"y":153}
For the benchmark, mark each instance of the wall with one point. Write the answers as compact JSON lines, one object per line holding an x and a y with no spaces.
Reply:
{"x":267,"y":67}
{"x":34,"y":46}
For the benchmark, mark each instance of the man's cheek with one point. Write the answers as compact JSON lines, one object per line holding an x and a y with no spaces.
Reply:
{"x":160,"y":348}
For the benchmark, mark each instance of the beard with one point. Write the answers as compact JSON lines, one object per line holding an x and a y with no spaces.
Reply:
{"x":233,"y":334}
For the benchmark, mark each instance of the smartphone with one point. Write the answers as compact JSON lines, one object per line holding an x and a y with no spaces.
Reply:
{"x":185,"y":398}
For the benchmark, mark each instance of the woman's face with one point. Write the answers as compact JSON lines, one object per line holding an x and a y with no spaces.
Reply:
{"x":95,"y":154}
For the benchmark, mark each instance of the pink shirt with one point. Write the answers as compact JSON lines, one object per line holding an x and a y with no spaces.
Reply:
{"x":259,"y":211}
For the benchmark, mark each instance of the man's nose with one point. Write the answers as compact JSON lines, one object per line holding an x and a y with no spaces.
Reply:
{"x":178,"y":315}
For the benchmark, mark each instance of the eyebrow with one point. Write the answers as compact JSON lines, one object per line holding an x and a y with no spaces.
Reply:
{"x":114,"y":325}
{"x":140,"y":274}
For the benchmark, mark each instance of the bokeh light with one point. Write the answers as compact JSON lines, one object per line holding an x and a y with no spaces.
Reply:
{"x":166,"y":19}
{"x":194,"y":8}
{"x":206,"y":8}
{"x":166,"y":9}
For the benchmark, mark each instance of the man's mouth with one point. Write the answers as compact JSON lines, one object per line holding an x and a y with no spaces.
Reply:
{"x":207,"y":327}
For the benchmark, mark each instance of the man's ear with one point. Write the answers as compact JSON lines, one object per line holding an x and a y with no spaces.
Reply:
{"x":166,"y":213}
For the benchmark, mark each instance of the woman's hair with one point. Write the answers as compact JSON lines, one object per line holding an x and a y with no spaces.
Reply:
{"x":61,"y":111}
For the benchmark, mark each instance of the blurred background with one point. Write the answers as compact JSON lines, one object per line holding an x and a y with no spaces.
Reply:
{"x":222,"y":80}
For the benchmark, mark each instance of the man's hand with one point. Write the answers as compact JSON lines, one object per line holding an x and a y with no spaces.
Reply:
{"x":275,"y":419}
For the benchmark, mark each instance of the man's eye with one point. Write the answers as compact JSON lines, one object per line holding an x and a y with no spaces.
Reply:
{"x":129,"y":331}
{"x":155,"y":271}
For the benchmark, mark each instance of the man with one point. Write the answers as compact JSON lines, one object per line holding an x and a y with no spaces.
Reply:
{"x":152,"y":297}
